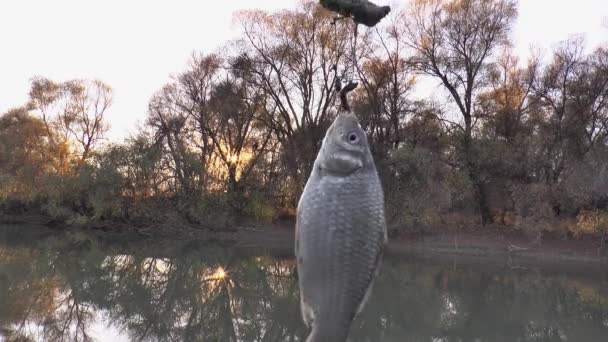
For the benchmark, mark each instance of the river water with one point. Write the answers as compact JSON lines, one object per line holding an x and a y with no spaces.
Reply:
{"x":75,"y":287}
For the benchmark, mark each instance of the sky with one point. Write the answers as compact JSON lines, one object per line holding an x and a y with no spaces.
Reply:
{"x":135,"y":46}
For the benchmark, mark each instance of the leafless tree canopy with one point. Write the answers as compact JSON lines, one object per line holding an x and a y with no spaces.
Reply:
{"x":73,"y":111}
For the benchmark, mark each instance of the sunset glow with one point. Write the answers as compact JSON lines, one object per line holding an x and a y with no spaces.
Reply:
{"x":219,"y":274}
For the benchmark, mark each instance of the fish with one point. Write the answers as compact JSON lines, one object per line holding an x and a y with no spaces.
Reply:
{"x":362,"y":11}
{"x":340,"y":232}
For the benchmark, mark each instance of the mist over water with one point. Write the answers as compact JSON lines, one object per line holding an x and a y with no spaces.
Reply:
{"x":77,"y":287}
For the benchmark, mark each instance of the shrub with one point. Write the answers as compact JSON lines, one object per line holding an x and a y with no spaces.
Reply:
{"x":260,"y":209}
{"x":590,"y":222}
{"x":417,"y":188}
{"x":211,"y":210}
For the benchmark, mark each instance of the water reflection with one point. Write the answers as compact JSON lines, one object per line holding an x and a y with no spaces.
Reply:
{"x":79,"y":288}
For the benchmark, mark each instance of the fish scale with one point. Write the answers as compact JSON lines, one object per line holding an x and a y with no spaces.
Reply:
{"x":340,"y":232}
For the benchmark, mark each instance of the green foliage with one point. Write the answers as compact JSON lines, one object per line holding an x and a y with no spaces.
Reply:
{"x":259,"y":208}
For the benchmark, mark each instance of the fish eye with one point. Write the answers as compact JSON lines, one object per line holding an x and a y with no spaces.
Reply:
{"x":352,"y":137}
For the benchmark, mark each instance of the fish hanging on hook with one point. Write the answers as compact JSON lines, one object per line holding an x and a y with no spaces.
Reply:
{"x":362,"y":11}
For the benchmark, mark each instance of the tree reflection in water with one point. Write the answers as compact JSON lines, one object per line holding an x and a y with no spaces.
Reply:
{"x":58,"y":289}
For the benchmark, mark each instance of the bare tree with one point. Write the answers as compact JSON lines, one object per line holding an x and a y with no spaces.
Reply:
{"x":210,"y":117}
{"x":388,"y":82}
{"x":169,"y":122}
{"x":234,"y":128}
{"x":292,"y":55}
{"x":592,"y":98}
{"x":505,"y":107}
{"x":556,"y":91}
{"x":45,"y":96}
{"x":453,"y":41}
{"x":85,"y":117}
{"x":223,"y":107}
{"x":195,"y":86}
{"x":72,"y":111}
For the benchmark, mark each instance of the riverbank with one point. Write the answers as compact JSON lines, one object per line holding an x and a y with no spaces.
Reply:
{"x":488,"y":243}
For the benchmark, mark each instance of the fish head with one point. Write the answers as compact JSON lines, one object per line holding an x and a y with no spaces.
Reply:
{"x":345,"y":148}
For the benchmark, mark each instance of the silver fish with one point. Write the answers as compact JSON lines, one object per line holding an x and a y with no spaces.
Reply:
{"x":340,"y":232}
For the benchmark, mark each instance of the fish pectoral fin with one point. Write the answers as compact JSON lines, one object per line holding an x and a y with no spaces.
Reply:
{"x":375,"y":274}
{"x":308,"y":314}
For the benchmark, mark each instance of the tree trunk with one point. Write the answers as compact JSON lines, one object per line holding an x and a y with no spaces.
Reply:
{"x":475,"y":177}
